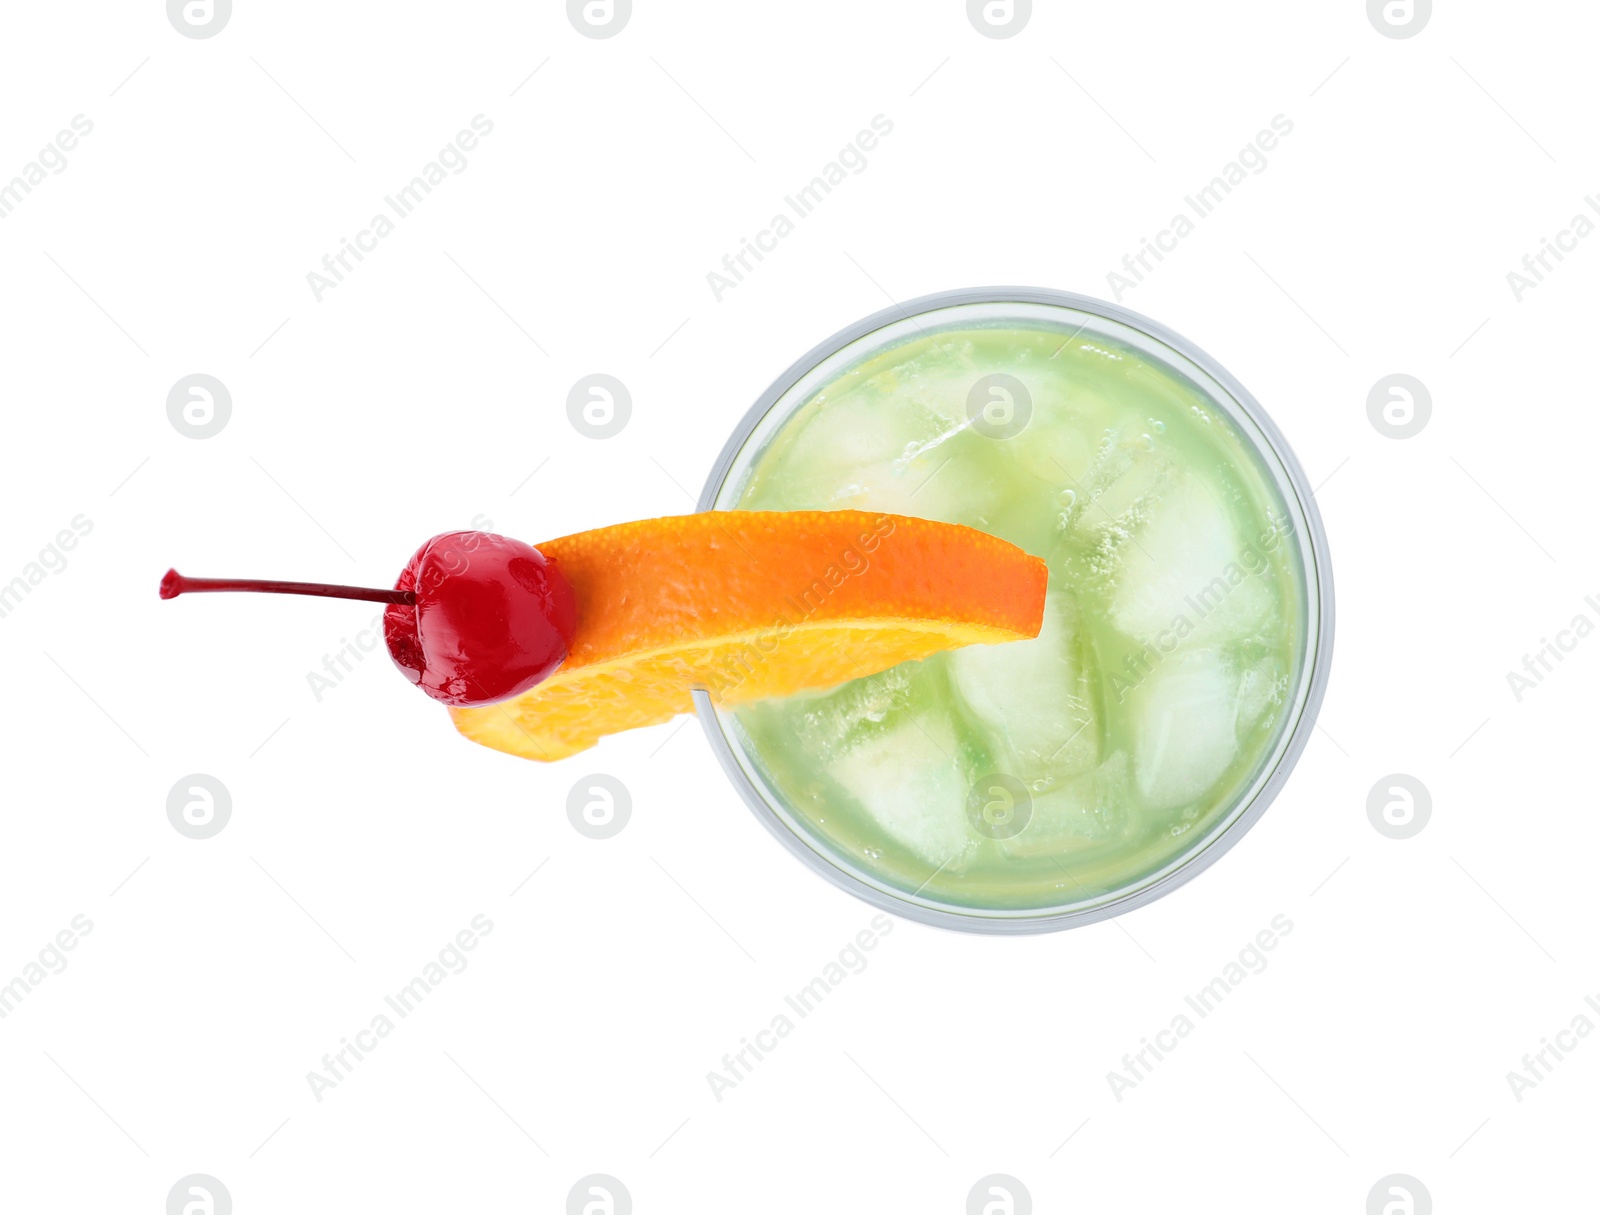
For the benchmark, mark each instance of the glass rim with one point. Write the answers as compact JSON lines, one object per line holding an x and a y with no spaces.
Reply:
{"x":1318,"y":574}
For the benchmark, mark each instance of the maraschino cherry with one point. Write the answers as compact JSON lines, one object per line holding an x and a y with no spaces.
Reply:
{"x":474,"y":617}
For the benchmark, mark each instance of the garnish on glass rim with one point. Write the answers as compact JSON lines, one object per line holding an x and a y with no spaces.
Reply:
{"x":542,"y":651}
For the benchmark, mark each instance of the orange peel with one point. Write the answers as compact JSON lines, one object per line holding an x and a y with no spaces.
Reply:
{"x":755,"y":604}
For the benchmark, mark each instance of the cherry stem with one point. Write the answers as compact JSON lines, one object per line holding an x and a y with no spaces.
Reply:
{"x":174,"y":584}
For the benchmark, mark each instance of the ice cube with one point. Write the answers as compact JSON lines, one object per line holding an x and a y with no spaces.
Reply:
{"x":1031,"y":700}
{"x":1184,"y":714}
{"x":1055,"y":449}
{"x":866,"y":451}
{"x":912,"y":778}
{"x":829,"y":722}
{"x":1089,"y":808}
{"x":821,"y":466}
{"x":1182,"y":578}
{"x":1029,"y":515}
{"x":969,"y":482}
{"x":1128,"y":469}
{"x":1262,"y":686}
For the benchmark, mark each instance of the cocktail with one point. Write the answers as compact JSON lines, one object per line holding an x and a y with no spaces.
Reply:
{"x":1006,"y":610}
{"x":1187,"y":628}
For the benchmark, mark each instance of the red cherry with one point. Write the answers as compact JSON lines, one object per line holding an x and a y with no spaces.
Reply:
{"x":474,"y":617}
{"x":491,"y":618}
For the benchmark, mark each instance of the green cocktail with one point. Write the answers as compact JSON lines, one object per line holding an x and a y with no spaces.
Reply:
{"x":1022,"y":781}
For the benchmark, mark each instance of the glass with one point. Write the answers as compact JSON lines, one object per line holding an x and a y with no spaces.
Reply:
{"x":959,"y":316}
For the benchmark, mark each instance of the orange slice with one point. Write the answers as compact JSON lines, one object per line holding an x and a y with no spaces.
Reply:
{"x":751,"y":604}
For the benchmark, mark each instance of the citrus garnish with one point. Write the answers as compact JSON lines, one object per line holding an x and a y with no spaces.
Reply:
{"x":754,"y":604}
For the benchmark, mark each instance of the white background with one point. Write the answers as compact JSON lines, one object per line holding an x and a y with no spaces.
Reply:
{"x":423,"y":393}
